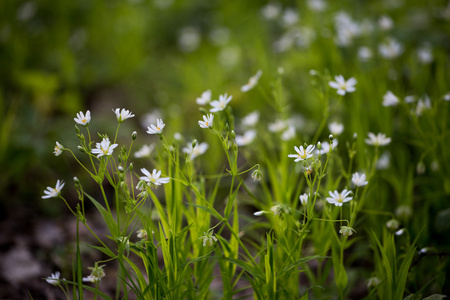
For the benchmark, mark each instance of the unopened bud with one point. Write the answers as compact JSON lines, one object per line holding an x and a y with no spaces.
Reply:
{"x":319,"y":145}
{"x":77,"y":130}
{"x":331,"y":138}
{"x":82,"y":149}
{"x":194,"y":143}
{"x":393,"y":224}
{"x":134,"y":135}
{"x":256,"y":175}
{"x":120,"y":169}
{"x":233,"y":134}
{"x":131,"y":167}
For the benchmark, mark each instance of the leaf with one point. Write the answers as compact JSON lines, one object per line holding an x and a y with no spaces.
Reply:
{"x":435,"y":297}
{"x":110,"y":222}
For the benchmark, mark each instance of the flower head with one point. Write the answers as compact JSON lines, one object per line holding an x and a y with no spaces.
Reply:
{"x":346,"y":231}
{"x":359,"y":179}
{"x":142,"y":234}
{"x":221,"y":104}
{"x":123,"y":114}
{"x":154,"y":178}
{"x":195,"y":151}
{"x":205,"y":98}
{"x":288,"y":134}
{"x":247,"y":138}
{"x":208,"y":238}
{"x":145,"y":151}
{"x":58,"y":149}
{"x":304,"y":199}
{"x":393,"y":224}
{"x":336,"y":128}
{"x":96,"y":275}
{"x":251,"y":119}
{"x":377,"y":140}
{"x":54,"y":279}
{"x":342,"y":85}
{"x":390,"y":49}
{"x":251,"y":82}
{"x":326,"y":146}
{"x":207,"y":121}
{"x":389,"y":99}
{"x":256,"y":175}
{"x":104,"y":148}
{"x":53,"y":192}
{"x":302,"y":154}
{"x":83,"y":119}
{"x":152,"y":129}
{"x":337,"y":198}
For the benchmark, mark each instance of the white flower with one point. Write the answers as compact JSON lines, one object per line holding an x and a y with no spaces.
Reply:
{"x":251,"y":119}
{"x":317,"y":5}
{"x":221,"y":104}
{"x":446,"y":97}
{"x":385,"y":23}
{"x":104,"y":148}
{"x":290,"y":17}
{"x":271,"y":11}
{"x":342,"y":85}
{"x":208,"y":238}
{"x":425,"y":55}
{"x":53,"y":192}
{"x":336,"y":128}
{"x":54,"y":279}
{"x":339,"y":198}
{"x":83,"y":119}
{"x":259,"y":213}
{"x":326,"y":147}
{"x":152,"y":129}
{"x":142,"y":234}
{"x":410,"y":99}
{"x":96,"y":275}
{"x":364,"y":53}
{"x":205,"y":98}
{"x":154,"y":177}
{"x":346,"y":231}
{"x":377,"y":140}
{"x":278,"y":126}
{"x":58,"y":149}
{"x":304,"y":199}
{"x":390,"y":49}
{"x":198,"y":150}
{"x":302,"y":154}
{"x":389,"y":99}
{"x":145,"y":151}
{"x":424,"y":103}
{"x":359,"y":179}
{"x":384,"y":161}
{"x":400,"y":232}
{"x":207,"y":121}
{"x":288,"y":134}
{"x":279,"y":210}
{"x":251,"y":82}
{"x":123,"y":114}
{"x":247,"y":138}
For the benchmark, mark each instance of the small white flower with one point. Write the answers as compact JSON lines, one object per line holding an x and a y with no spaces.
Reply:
{"x":251,"y":119}
{"x":205,"y":98}
{"x":400,"y":232}
{"x":446,"y":97}
{"x":278,"y":126}
{"x":123,"y":114}
{"x":247,"y":138}
{"x":302,"y":154}
{"x":317,"y":5}
{"x":145,"y":151}
{"x":290,"y":17}
{"x":142,"y":234}
{"x":208,"y":238}
{"x":221,"y":104}
{"x":198,"y":150}
{"x":326,"y":147}
{"x":304,"y":199}
{"x":342,"y":85}
{"x":154,"y":178}
{"x":152,"y":129}
{"x":337,"y":198}
{"x":271,"y":11}
{"x":53,"y":192}
{"x":390,"y":49}
{"x":410,"y":99}
{"x":364,"y":53}
{"x":251,"y":82}
{"x":58,"y":149}
{"x":389,"y":99}
{"x":373,"y":282}
{"x":104,"y":148}
{"x":385,"y":23}
{"x":288,"y":134}
{"x":425,"y":55}
{"x":424,"y":103}
{"x":393,"y":224}
{"x":346,"y":231}
{"x":384,"y":161}
{"x":377,"y":140}
{"x":83,"y":119}
{"x":207,"y":121}
{"x":359,"y":179}
{"x":336,"y":128}
{"x":54,"y":279}
{"x":259,"y":213}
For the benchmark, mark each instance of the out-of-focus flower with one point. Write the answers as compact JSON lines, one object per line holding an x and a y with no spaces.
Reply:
{"x":279,"y":210}
{"x":154,"y":178}
{"x":290,"y":17}
{"x":373,"y":282}
{"x":403,"y":212}
{"x":104,"y":148}
{"x":410,"y":99}
{"x":288,"y":134}
{"x":359,"y":179}
{"x":96,"y":275}
{"x":247,"y":138}
{"x":207,"y":121}
{"x":384,"y":161}
{"x":302,"y":153}
{"x":364,"y":53}
{"x":251,"y":119}
{"x":53,"y":192}
{"x":393,"y":224}
{"x":336,"y":128}
{"x":256,"y":175}
{"x":317,"y":5}
{"x":390,"y":49}
{"x":342,"y":85}
{"x":278,"y":126}
{"x":425,"y":55}
{"x":446,"y":97}
{"x":83,"y":119}
{"x":304,"y":199}
{"x":252,"y":82}
{"x":400,"y":231}
{"x":158,"y":129}
{"x":325,"y":147}
{"x":389,"y":99}
{"x":271,"y":11}
{"x":195,"y":151}
{"x":208,"y":238}
{"x":337,"y":198}
{"x":145,"y":151}
{"x":58,"y":149}
{"x":346,"y":231}
{"x":219,"y":36}
{"x":424,"y":103}
{"x":221,"y":104}
{"x":123,"y":114}
{"x":385,"y":23}
{"x":189,"y":39}
{"x":205,"y":98}
{"x":259,"y":213}
{"x":54,"y":279}
{"x":377,"y":140}
{"x":142,"y":234}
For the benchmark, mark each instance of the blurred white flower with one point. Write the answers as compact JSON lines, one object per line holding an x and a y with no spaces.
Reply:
{"x":385,"y":23}
{"x":158,"y":129}
{"x":247,"y":138}
{"x":342,"y":85}
{"x":317,"y":5}
{"x":96,"y":275}
{"x":359,"y":179}
{"x":336,"y":128}
{"x":346,"y":230}
{"x":229,"y":56}
{"x":302,"y":153}
{"x":346,"y":29}
{"x":446,"y":97}
{"x":425,"y":55}
{"x":259,"y":213}
{"x":208,"y":238}
{"x":198,"y":150}
{"x":377,"y":140}
{"x":325,"y":147}
{"x":154,"y":178}
{"x":400,"y":231}
{"x":389,"y":99}
{"x":53,"y":192}
{"x":207,"y":121}
{"x":337,"y":198}
{"x":189,"y":39}
{"x":145,"y":151}
{"x":288,"y":134}
{"x":251,"y":119}
{"x":205,"y":98}
{"x":390,"y":49}
{"x":424,"y":103}
{"x":54,"y":279}
{"x":219,"y":36}
{"x":83,"y":119}
{"x":123,"y":114}
{"x":364,"y":53}
{"x":104,"y":148}
{"x":290,"y":17}
{"x":410,"y":99}
{"x":304,"y":199}
{"x":142,"y":234}
{"x":271,"y":11}
{"x":58,"y":149}
{"x":252,"y":82}
{"x":278,"y":126}
{"x":221,"y":104}
{"x":384,"y":161}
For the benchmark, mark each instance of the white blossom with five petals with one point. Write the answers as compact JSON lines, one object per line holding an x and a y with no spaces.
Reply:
{"x":337,"y":198}
{"x":83,"y":119}
{"x":104,"y":148}
{"x":302,"y":153}
{"x":51,"y":192}
{"x":221,"y":104}
{"x":343,"y":86}
{"x":152,"y":129}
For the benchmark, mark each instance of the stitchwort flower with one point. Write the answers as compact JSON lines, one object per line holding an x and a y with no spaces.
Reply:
{"x":208,"y":238}
{"x":96,"y":275}
{"x":247,"y":138}
{"x":389,"y":99}
{"x":221,"y":104}
{"x":205,"y":98}
{"x":195,"y":151}
{"x":54,"y":279}
{"x":342,"y":86}
{"x":83,"y":119}
{"x":123,"y":114}
{"x":53,"y":192}
{"x":337,"y":198}
{"x":152,"y":129}
{"x":346,"y":231}
{"x":377,"y":140}
{"x":359,"y":179}
{"x":336,"y":128}
{"x":104,"y":148}
{"x":145,"y":151}
{"x":154,"y":178}
{"x":207,"y":121}
{"x":252,"y":82}
{"x":58,"y":149}
{"x":302,"y":153}
{"x":304,"y":199}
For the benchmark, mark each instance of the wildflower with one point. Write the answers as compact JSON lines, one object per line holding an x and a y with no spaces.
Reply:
{"x":251,"y":82}
{"x":104,"y":148}
{"x":403,"y":211}
{"x":279,"y":210}
{"x":359,"y":179}
{"x":420,"y":168}
{"x":393,"y":224}
{"x":54,"y":279}
{"x":205,"y":98}
{"x":304,"y":199}
{"x":336,"y":128}
{"x":377,"y":140}
{"x":221,"y":104}
{"x":247,"y":138}
{"x":389,"y":99}
{"x":259,"y":213}
{"x":364,"y":53}
{"x":207,"y":121}
{"x":195,"y":151}
{"x":154,"y":178}
{"x":290,"y":17}
{"x":123,"y":114}
{"x":145,"y":151}
{"x":58,"y":149}
{"x":142,"y":234}
{"x":423,"y":104}
{"x":317,"y":5}
{"x":373,"y":282}
{"x":96,"y":275}
{"x":446,"y":97}
{"x":385,"y":23}
{"x":384,"y":161}
{"x":400,"y":232}
{"x":189,"y":39}
{"x":53,"y":192}
{"x":83,"y":119}
{"x":251,"y":119}
{"x":346,"y":231}
{"x":152,"y":129}
{"x":288,"y":134}
{"x":278,"y":126}
{"x":425,"y":55}
{"x":271,"y":11}
{"x":390,"y":49}
{"x":342,"y":85}
{"x":339,"y":198}
{"x":256,"y":175}
{"x":325,"y":147}
{"x":208,"y":238}
{"x":302,"y":154}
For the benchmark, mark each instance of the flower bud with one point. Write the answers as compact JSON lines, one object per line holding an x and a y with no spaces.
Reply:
{"x":194,"y":143}
{"x":233,"y":134}
{"x":77,"y":130}
{"x":131,"y":167}
{"x":420,"y":169}
{"x":134,"y":135}
{"x":120,"y":169}
{"x":331,"y":138}
{"x":393,"y":224}
{"x":256,"y":175}
{"x":82,"y":149}
{"x":319,"y":146}
{"x":346,"y":231}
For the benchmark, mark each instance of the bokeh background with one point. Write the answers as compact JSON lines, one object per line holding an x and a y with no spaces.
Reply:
{"x":155,"y":57}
